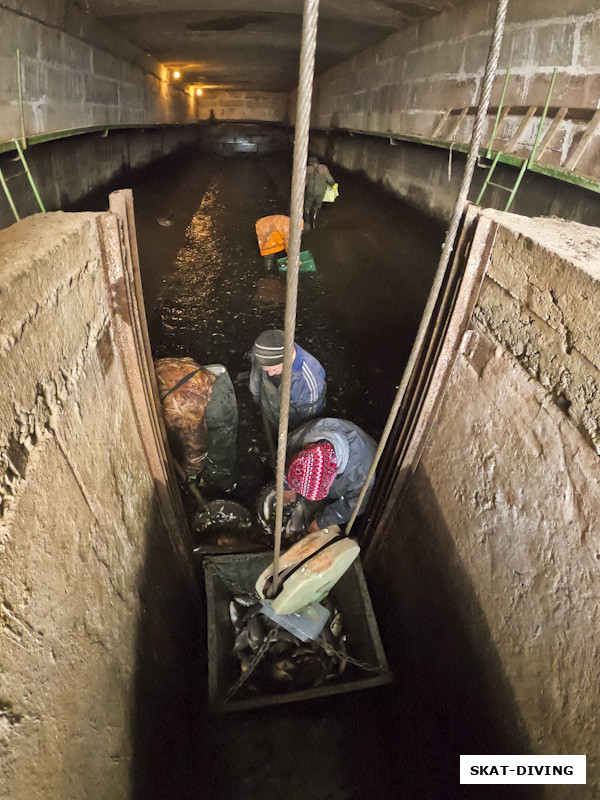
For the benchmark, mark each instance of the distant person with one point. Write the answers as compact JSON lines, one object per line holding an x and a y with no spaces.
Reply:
{"x":201,"y":417}
{"x":318,"y":178}
{"x":211,"y":117}
{"x":328,"y":461}
{"x":308,"y":386}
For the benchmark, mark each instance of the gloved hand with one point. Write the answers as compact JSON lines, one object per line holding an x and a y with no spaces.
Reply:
{"x":266,"y":510}
{"x":300,"y":518}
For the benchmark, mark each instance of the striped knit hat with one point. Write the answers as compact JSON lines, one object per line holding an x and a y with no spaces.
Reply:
{"x":268,"y":348}
{"x":312,"y":471}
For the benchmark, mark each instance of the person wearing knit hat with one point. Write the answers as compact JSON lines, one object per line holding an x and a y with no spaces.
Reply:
{"x":328,"y":461}
{"x":308,"y":385}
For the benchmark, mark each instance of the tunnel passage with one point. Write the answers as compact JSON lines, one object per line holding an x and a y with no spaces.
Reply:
{"x":375,"y":258}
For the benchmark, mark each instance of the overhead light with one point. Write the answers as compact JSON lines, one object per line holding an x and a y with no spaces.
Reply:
{"x":198,"y":92}
{"x":176,"y":74}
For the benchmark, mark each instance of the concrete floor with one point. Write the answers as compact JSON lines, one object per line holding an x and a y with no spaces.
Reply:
{"x":358,"y":314}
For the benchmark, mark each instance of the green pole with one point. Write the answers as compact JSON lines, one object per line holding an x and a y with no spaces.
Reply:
{"x":489,"y":150}
{"x":9,"y":196}
{"x":30,"y":177}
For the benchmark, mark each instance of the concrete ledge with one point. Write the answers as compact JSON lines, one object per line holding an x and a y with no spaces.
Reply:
{"x":541,"y":300}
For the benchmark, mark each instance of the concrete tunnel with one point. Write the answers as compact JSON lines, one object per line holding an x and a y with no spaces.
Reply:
{"x":481,"y":543}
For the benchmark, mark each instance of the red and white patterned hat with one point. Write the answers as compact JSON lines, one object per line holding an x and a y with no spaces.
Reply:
{"x":312,"y":471}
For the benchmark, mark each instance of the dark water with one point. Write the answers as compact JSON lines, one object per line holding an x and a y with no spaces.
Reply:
{"x":357,"y":314}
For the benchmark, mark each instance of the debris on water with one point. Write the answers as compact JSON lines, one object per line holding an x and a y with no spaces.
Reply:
{"x":166,"y":222}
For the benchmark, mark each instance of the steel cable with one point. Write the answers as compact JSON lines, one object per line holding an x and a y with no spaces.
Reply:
{"x":305,"y":84}
{"x":448,"y":247}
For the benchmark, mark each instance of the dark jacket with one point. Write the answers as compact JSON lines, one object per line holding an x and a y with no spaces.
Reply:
{"x":307,"y":391}
{"x":354,"y":453}
{"x":318,"y":178}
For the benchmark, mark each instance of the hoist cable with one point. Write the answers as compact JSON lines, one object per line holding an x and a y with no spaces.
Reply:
{"x":305,"y":84}
{"x":449,"y":242}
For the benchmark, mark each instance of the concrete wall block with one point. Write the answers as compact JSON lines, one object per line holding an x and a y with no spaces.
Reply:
{"x":65,"y":86}
{"x":538,"y":10}
{"x":10,"y":123}
{"x":423,"y":123}
{"x":517,"y":90}
{"x":470,"y":19}
{"x":77,"y":54}
{"x":556,"y":261}
{"x":36,"y":81}
{"x":9,"y":87}
{"x":101,"y":91}
{"x":394,"y":47}
{"x":17,"y":31}
{"x":131,"y":97}
{"x":476,"y":53}
{"x":516,"y":49}
{"x":74,"y":115}
{"x":545,"y":353}
{"x":553,"y":45}
{"x":574,"y":91}
{"x":106,"y":64}
{"x":589,"y":53}
{"x":442,"y":59}
{"x":447,"y":93}
{"x":50,"y":46}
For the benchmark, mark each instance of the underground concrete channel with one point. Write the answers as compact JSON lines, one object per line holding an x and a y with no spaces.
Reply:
{"x":208,"y":297}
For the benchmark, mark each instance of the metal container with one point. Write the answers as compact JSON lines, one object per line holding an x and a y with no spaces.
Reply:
{"x":229,"y":574}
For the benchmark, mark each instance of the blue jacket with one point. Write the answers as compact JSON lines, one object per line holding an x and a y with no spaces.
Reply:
{"x":308,"y":389}
{"x":354,"y":454}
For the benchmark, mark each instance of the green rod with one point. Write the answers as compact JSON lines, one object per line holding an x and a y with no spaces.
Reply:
{"x":487,"y":180}
{"x":9,"y":196}
{"x":23,"y":137}
{"x":517,"y":184}
{"x":542,"y":120}
{"x":489,"y":150}
{"x":30,"y":177}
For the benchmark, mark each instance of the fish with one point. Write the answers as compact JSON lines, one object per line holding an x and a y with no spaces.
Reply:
{"x":335,"y":626}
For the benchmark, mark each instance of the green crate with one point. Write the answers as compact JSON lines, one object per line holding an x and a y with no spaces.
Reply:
{"x":307,"y":262}
{"x":350,"y":595}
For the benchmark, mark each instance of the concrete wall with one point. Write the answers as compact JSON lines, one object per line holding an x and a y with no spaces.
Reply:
{"x":89,"y":587}
{"x":75,"y":73}
{"x":500,"y":529}
{"x":229,"y":105}
{"x":67,"y":170}
{"x":429,"y":178}
{"x":404,"y":84}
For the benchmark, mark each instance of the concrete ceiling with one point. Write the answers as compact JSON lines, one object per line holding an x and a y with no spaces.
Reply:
{"x":236,"y":45}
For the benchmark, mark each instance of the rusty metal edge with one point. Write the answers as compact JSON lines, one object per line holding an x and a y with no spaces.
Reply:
{"x":118,"y":283}
{"x":442,"y":352}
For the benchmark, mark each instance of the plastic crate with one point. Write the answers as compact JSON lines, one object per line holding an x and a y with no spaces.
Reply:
{"x":350,"y":595}
{"x":307,"y":263}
